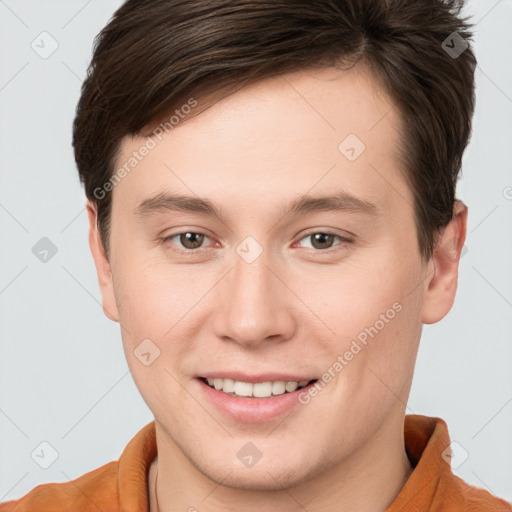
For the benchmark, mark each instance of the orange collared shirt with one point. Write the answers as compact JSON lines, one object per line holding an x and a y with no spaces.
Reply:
{"x":122,"y":486}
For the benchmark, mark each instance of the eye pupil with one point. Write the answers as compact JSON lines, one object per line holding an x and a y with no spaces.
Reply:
{"x":188,"y":238}
{"x":320,"y":237}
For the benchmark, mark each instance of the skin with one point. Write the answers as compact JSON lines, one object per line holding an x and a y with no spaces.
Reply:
{"x":294,"y":309}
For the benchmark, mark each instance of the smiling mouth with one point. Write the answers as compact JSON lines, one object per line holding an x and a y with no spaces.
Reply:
{"x":255,"y":390}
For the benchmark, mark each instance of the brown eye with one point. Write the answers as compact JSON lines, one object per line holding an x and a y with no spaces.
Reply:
{"x":191,"y":240}
{"x":187,"y":240}
{"x":322,"y":240}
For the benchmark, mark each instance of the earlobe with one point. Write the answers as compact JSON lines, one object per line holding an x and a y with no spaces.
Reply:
{"x":441,"y":283}
{"x":103,"y":268}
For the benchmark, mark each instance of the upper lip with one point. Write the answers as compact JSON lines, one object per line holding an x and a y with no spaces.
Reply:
{"x":262,"y":377}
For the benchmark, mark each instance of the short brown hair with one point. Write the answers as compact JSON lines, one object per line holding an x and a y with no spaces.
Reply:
{"x":154,"y":54}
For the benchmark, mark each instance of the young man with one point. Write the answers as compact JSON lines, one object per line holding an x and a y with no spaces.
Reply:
{"x":272,"y":217}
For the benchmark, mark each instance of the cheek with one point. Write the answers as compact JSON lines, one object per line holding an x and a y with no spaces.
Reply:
{"x":373,"y":314}
{"x":353,"y":295}
{"x":153,"y":303}
{"x":151,"y":298}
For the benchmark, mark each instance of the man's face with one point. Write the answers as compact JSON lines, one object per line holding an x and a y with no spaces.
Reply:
{"x":263,"y":295}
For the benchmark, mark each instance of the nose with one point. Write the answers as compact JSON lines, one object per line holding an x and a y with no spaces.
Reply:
{"x":255,"y":306}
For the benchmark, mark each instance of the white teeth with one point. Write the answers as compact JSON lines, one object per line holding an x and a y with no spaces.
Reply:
{"x":257,"y":390}
{"x":243,"y":388}
{"x":262,"y":389}
{"x":278,"y":387}
{"x":228,"y":386}
{"x":291,"y":386}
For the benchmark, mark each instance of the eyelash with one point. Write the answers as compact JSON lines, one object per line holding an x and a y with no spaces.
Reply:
{"x":344,"y":241}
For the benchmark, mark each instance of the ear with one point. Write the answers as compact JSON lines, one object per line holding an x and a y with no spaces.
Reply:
{"x":102,"y":265}
{"x":442,"y":281}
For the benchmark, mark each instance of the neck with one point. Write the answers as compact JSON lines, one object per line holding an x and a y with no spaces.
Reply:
{"x":368,"y":482}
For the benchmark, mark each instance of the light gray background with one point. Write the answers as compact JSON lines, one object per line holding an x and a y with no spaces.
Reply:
{"x":63,"y":373}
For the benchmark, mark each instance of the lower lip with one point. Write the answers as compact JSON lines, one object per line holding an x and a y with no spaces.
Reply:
{"x":252,"y":410}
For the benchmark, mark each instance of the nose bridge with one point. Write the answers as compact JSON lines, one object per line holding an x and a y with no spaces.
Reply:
{"x":253,"y":301}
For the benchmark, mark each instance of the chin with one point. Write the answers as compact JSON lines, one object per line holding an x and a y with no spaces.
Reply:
{"x":269,"y":475}
{"x":265,"y":479}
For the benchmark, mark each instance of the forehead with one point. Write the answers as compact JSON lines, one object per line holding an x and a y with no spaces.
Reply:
{"x":312,"y":129}
{"x":315,"y":104}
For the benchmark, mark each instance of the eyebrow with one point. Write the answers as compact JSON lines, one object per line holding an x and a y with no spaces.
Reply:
{"x":340,"y":201}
